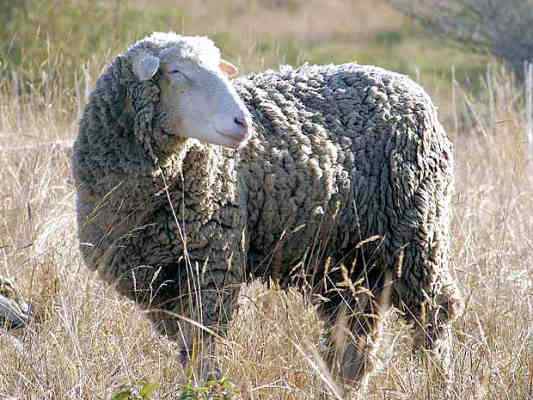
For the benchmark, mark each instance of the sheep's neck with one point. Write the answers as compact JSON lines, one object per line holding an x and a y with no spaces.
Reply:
{"x":172,"y":151}
{"x":189,"y":160}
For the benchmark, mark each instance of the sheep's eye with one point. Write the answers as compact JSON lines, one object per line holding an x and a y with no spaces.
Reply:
{"x":178,"y":76}
{"x":177,"y":73}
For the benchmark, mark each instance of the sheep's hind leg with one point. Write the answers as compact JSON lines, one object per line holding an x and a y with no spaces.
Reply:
{"x":354,"y":330}
{"x":433,"y":334}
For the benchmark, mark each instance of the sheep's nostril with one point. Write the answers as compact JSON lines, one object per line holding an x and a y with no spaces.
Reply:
{"x":241,"y":121}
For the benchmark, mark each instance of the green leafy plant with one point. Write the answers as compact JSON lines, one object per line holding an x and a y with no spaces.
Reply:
{"x":140,"y":391}
{"x":214,"y":389}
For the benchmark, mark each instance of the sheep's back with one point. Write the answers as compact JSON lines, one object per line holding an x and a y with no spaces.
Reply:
{"x":340,"y":154}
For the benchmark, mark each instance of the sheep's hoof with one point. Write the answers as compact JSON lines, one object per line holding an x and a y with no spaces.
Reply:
{"x":214,"y":374}
{"x":184,"y":357}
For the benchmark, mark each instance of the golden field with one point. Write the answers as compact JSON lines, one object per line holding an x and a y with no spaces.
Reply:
{"x":85,"y":342}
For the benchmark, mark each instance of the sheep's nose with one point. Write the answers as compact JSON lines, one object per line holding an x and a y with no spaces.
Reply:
{"x":241,"y":121}
{"x":236,"y":128}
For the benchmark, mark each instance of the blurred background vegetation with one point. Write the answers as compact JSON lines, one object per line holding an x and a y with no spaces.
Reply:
{"x":52,"y":50}
{"x":54,"y":39}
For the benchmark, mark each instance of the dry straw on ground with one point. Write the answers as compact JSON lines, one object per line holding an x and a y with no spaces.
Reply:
{"x":86,"y":343}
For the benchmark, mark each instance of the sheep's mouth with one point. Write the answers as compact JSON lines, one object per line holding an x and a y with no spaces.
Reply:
{"x":235,"y":141}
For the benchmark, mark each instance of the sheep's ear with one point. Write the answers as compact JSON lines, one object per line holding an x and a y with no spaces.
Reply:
{"x":228,"y":68}
{"x":145,"y":66}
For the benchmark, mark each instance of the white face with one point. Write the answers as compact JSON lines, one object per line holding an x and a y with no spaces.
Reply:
{"x":201,"y":103}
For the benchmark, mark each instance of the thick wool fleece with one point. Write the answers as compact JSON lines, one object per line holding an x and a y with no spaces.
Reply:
{"x":341,"y":155}
{"x":347,"y":178}
{"x":157,"y":215}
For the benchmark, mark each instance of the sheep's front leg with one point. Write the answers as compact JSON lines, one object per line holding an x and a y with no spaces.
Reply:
{"x":203,"y":315}
{"x":197,"y":351}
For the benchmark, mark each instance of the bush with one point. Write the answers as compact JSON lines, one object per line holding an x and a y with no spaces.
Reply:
{"x":505,"y":30}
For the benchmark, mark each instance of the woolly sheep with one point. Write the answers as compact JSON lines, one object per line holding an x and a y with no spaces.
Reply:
{"x":343,"y":190}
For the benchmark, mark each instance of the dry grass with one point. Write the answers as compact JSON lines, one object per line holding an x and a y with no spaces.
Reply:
{"x":86,"y":342}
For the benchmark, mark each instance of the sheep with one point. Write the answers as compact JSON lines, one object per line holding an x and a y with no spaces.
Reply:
{"x":332,"y":179}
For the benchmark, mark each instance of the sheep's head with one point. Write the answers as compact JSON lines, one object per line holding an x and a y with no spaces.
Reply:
{"x":196,"y":96}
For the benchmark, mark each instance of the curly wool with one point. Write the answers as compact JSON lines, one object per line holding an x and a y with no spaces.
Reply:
{"x":348,"y":177}
{"x":344,"y":154}
{"x":146,"y":200}
{"x":198,"y":49}
{"x":348,"y":184}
